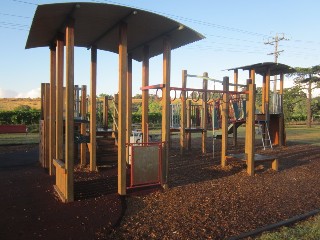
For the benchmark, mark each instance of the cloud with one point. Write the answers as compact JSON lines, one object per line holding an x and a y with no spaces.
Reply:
{"x":7,"y":93}
{"x":34,"y":93}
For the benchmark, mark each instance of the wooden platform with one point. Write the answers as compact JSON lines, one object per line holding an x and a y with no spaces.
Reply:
{"x":258,"y":158}
{"x":188,"y":130}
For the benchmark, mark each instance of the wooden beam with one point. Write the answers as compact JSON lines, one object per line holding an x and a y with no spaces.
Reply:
{"x":267,"y":94}
{"x":145,"y":94}
{"x":252,"y":75}
{"x":113,"y":27}
{"x":59,"y":98}
{"x":47,"y":125}
{"x":183,"y":120}
{"x":263,"y":107}
{"x":52,"y":130}
{"x":204,"y":114}
{"x":235,"y":79}
{"x":225,"y":116}
{"x":165,"y":130}
{"x":83,"y":130}
{"x":129,"y":104}
{"x":281,"y":120}
{"x":123,"y":70}
{"x":105,"y":111}
{"x":93,"y":109}
{"x":189,"y":124}
{"x":69,"y":121}
{"x":250,"y":131}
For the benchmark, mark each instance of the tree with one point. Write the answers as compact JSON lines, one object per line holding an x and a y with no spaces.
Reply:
{"x":308,"y":79}
{"x":292,"y":99}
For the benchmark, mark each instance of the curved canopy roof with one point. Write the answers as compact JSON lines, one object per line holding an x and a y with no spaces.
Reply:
{"x":96,"y":24}
{"x":262,"y":68}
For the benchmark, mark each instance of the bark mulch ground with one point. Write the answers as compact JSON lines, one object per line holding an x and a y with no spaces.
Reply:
{"x":204,"y":201}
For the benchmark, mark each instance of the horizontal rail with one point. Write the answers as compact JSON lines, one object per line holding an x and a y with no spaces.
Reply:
{"x":158,"y":86}
{"x":206,"y":90}
{"x":205,"y":78}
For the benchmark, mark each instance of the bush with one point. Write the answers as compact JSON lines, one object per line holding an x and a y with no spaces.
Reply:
{"x":27,"y":117}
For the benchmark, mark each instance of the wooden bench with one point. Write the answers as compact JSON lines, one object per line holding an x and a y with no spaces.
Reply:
{"x":258,"y":158}
{"x":21,"y":128}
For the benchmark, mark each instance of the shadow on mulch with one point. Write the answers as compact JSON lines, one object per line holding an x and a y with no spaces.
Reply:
{"x":30,"y":209}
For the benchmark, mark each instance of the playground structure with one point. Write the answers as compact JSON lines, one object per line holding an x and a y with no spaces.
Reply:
{"x":119,"y":36}
{"x":116,"y":33}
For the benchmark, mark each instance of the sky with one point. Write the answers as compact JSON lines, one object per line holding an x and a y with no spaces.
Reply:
{"x":235,"y":31}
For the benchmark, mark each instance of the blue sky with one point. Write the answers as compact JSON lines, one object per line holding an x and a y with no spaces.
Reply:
{"x":235,"y":34}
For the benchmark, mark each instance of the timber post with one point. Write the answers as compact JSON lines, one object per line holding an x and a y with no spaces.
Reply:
{"x":204,"y":117}
{"x":250,"y":130}
{"x":52,"y":130}
{"x":225,"y":116}
{"x":93,"y":109}
{"x":69,"y":120}
{"x":83,"y":126}
{"x":145,"y":94}
{"x":166,"y":110}
{"x":183,"y":119}
{"x":123,"y":70}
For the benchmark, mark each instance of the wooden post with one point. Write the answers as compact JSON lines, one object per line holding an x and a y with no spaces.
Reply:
{"x":204,"y":117}
{"x":235,"y":130}
{"x":267,"y":94}
{"x":183,"y":119}
{"x":145,"y":94}
{"x":281,"y":120}
{"x":189,"y":124}
{"x":252,"y":75}
{"x":250,"y":131}
{"x":166,"y":109}
{"x":105,"y":112}
{"x":129,"y":105}
{"x":41,"y":128}
{"x":42,"y":101}
{"x":59,"y":98}
{"x":116,"y":118}
{"x":123,"y":70}
{"x":69,"y":122}
{"x":235,"y":79}
{"x":225,"y":116}
{"x":93,"y":110}
{"x":52,"y":130}
{"x":83,"y":130}
{"x":247,"y":114}
{"x":263,"y":107}
{"x":47,"y":125}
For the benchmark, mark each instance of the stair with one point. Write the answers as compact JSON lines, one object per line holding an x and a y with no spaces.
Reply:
{"x":265,"y":135}
{"x":107,"y":152}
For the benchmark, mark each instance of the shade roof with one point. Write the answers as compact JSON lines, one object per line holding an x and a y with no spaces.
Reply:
{"x":262,"y":68}
{"x":97,"y":24}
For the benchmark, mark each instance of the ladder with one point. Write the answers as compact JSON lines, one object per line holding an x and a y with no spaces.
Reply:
{"x":265,"y":135}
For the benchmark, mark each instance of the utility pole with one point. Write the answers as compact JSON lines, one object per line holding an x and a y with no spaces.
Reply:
{"x":275,"y":41}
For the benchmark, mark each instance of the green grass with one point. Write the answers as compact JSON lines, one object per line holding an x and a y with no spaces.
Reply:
{"x":302,"y":134}
{"x":308,"y":230}
{"x":19,"y":138}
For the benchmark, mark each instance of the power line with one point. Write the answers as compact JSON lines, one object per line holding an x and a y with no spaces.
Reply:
{"x":12,"y":15}
{"x":275,"y":42}
{"x":25,"y":2}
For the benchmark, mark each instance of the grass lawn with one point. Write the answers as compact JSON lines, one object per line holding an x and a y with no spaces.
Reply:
{"x":309,"y":229}
{"x":302,"y":134}
{"x":19,"y":138}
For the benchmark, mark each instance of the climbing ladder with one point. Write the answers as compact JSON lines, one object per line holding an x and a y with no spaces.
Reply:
{"x":265,"y":135}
